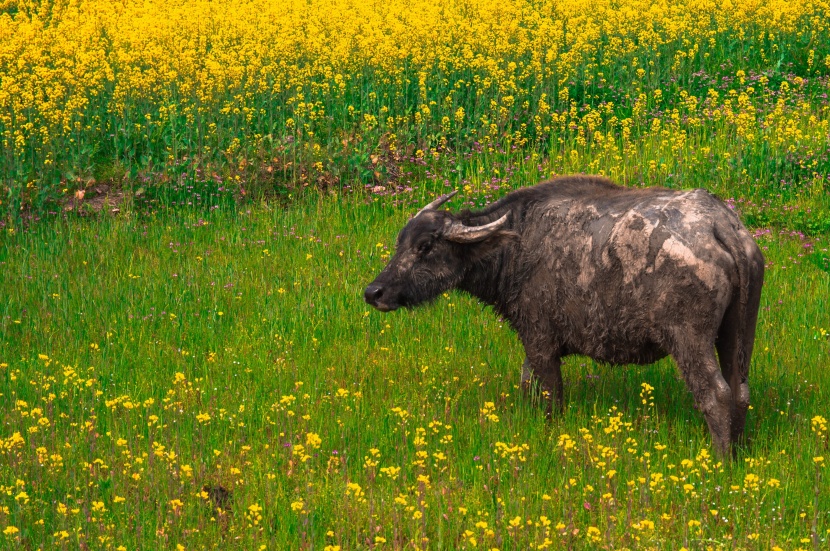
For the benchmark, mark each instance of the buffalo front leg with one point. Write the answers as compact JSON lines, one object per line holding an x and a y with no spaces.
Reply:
{"x":547,"y":370}
{"x":712,"y":394}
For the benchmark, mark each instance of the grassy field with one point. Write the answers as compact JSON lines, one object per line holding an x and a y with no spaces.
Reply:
{"x":216,"y":380}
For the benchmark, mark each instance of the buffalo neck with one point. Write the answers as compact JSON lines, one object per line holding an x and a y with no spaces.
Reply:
{"x":495,"y":279}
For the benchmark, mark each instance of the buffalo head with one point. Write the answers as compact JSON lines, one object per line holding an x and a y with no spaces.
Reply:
{"x":435,"y":251}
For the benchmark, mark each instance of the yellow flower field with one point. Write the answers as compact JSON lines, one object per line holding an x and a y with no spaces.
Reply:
{"x":315,"y":91}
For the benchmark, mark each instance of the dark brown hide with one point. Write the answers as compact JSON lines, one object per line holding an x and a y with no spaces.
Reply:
{"x":579,"y":265}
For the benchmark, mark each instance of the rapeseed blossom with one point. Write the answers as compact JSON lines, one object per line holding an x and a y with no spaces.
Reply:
{"x":87,"y":81}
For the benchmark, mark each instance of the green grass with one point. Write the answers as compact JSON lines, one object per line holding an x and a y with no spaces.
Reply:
{"x":126,"y":333}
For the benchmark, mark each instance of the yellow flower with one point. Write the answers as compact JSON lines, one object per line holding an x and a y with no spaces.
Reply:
{"x":391,"y":472}
{"x":354,"y":489}
{"x":313,"y":440}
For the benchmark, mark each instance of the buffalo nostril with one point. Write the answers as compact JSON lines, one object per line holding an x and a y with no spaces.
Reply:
{"x":373,"y":293}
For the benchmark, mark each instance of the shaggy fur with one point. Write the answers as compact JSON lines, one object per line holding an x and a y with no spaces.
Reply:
{"x":621,"y":275}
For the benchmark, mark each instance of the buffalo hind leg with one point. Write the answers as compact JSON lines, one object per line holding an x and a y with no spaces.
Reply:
{"x":548,"y":372}
{"x":738,"y":331}
{"x":712,"y":395}
{"x":735,"y":369}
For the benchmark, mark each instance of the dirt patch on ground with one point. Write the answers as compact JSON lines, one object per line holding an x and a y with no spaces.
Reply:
{"x":96,"y":198}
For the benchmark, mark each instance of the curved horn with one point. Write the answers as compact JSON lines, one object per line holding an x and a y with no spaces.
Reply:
{"x":437,"y":203}
{"x":459,"y":233}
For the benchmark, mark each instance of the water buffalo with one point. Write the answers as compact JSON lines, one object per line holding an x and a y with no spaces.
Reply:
{"x":580,"y":265}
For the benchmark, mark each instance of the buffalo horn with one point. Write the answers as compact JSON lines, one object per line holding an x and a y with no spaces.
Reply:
{"x":459,"y":233}
{"x":437,"y":203}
